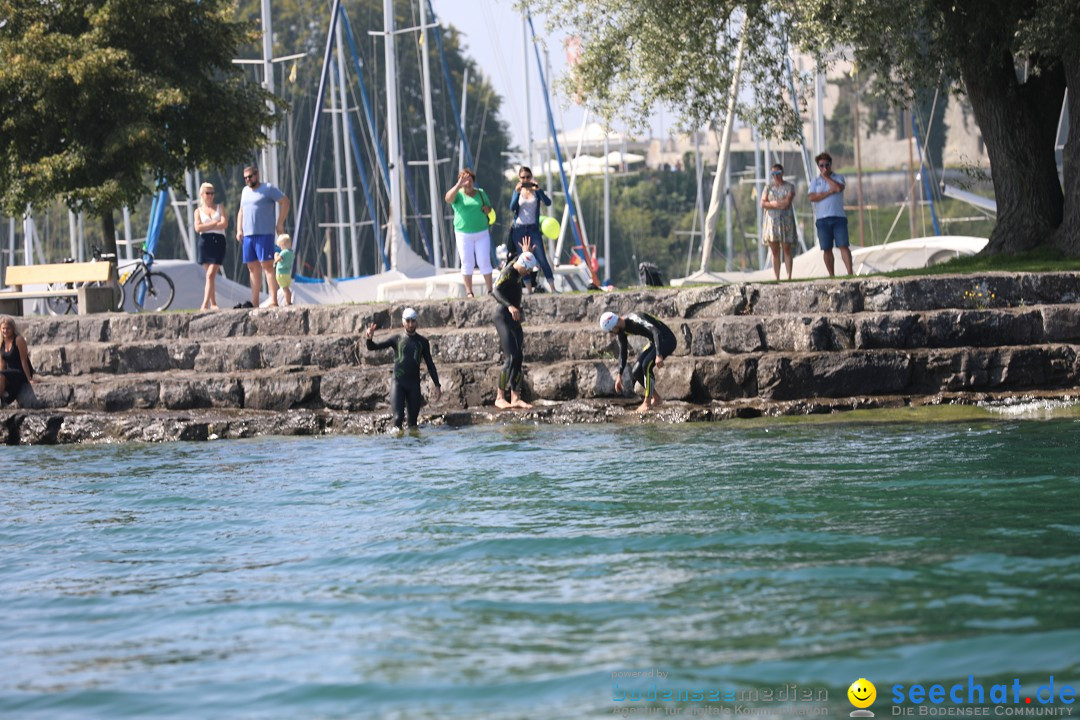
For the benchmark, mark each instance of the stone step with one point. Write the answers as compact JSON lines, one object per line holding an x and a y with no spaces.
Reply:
{"x":724,"y":377}
{"x":580,"y":341}
{"x":856,"y":296}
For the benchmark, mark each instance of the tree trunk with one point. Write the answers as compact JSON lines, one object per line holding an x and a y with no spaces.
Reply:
{"x":1067,"y":237}
{"x":108,"y":228}
{"x":1019,"y":136}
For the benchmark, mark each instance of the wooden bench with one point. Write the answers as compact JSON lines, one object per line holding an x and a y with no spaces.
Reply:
{"x":92,"y":299}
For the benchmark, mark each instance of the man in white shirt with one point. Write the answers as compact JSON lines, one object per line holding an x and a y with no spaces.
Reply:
{"x":827,"y":196}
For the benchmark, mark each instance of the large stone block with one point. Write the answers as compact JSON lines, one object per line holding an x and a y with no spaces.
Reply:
{"x":355,"y":389}
{"x":275,"y":390}
{"x":890,"y":330}
{"x":218,"y":325}
{"x":228,"y":356}
{"x":725,"y":379}
{"x":1061,"y":323}
{"x":143,"y":358}
{"x":740,"y":334}
{"x":289,"y":321}
{"x":139,"y":327}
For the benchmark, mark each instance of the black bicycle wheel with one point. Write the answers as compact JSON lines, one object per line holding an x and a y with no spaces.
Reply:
{"x":154,"y":292}
{"x":61,"y":305}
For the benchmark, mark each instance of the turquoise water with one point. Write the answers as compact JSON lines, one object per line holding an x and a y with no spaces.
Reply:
{"x":524,"y":572}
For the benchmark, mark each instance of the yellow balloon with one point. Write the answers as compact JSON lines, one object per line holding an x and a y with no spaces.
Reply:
{"x":549,"y":227}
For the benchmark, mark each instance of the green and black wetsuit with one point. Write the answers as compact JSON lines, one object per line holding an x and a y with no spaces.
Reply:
{"x":405,"y":390}
{"x":660,"y":337}
{"x":507,"y":292}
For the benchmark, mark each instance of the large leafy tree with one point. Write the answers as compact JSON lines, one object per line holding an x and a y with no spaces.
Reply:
{"x":103,"y":97}
{"x":1013,"y":59}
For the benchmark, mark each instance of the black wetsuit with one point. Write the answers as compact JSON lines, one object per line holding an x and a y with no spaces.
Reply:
{"x":13,"y":370}
{"x":659,"y":335}
{"x":507,"y":292}
{"x":405,"y":390}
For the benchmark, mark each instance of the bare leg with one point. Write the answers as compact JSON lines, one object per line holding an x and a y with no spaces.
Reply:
{"x":500,"y":400}
{"x":655,"y":400}
{"x":271,"y":281}
{"x":288,"y":295}
{"x":828,"y":257}
{"x":255,"y":275}
{"x":845,"y":255}
{"x":210,"y":290}
{"x":467,"y":279}
{"x":774,"y":250}
{"x":487,"y":281}
{"x":787,"y":259}
{"x":516,"y":401}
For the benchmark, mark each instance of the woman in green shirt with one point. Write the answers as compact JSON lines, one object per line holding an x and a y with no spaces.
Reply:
{"x":471,"y":208}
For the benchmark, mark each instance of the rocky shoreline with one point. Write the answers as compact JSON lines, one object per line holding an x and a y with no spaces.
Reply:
{"x":749,"y":350}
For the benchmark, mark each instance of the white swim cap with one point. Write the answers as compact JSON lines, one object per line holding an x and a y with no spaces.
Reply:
{"x":526,"y":259}
{"x":608,"y":321}
{"x":409,"y":314}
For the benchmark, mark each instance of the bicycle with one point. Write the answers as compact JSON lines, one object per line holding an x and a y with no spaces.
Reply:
{"x":153,"y":291}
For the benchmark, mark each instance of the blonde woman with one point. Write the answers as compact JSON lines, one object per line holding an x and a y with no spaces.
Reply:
{"x":211,"y":223}
{"x":15,"y":367}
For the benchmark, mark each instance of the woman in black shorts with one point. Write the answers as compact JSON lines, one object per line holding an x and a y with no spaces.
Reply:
{"x":211,"y":223}
{"x":15,"y":367}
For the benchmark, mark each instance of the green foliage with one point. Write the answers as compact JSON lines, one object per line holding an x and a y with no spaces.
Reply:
{"x":99,"y":95}
{"x":679,"y":54}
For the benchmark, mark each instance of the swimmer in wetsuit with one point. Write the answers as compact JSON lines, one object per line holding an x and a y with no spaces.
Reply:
{"x":507,"y":293}
{"x":410,"y":347}
{"x":661,"y":344}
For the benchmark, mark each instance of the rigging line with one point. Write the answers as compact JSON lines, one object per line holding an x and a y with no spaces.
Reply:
{"x":450,"y":84}
{"x":483,"y":119}
{"x":365,"y":183}
{"x":501,"y":66}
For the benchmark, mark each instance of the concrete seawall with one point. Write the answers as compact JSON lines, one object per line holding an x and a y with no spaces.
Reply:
{"x":744,"y":350}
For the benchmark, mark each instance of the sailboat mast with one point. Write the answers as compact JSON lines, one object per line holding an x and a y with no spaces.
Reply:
{"x":392,"y":140}
{"x":433,"y":188}
{"x":269,"y":162}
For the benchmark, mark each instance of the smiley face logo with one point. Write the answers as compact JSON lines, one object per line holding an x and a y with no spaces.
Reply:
{"x":862,"y":694}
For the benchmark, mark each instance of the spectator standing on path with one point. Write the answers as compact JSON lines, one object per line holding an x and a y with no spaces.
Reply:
{"x":778,"y":231}
{"x":827,"y":195}
{"x":257,"y":228}
{"x":211,"y":222}
{"x":410,"y":348}
{"x":471,"y":208}
{"x":525,"y":204}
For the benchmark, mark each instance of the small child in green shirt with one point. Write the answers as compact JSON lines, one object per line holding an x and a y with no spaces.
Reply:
{"x":283,"y":262}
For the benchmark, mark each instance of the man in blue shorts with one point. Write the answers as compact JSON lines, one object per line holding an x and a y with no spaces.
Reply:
{"x":258,"y":223}
{"x":827,"y":195}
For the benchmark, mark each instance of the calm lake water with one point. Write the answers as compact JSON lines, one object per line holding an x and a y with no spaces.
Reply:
{"x":527,"y":572}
